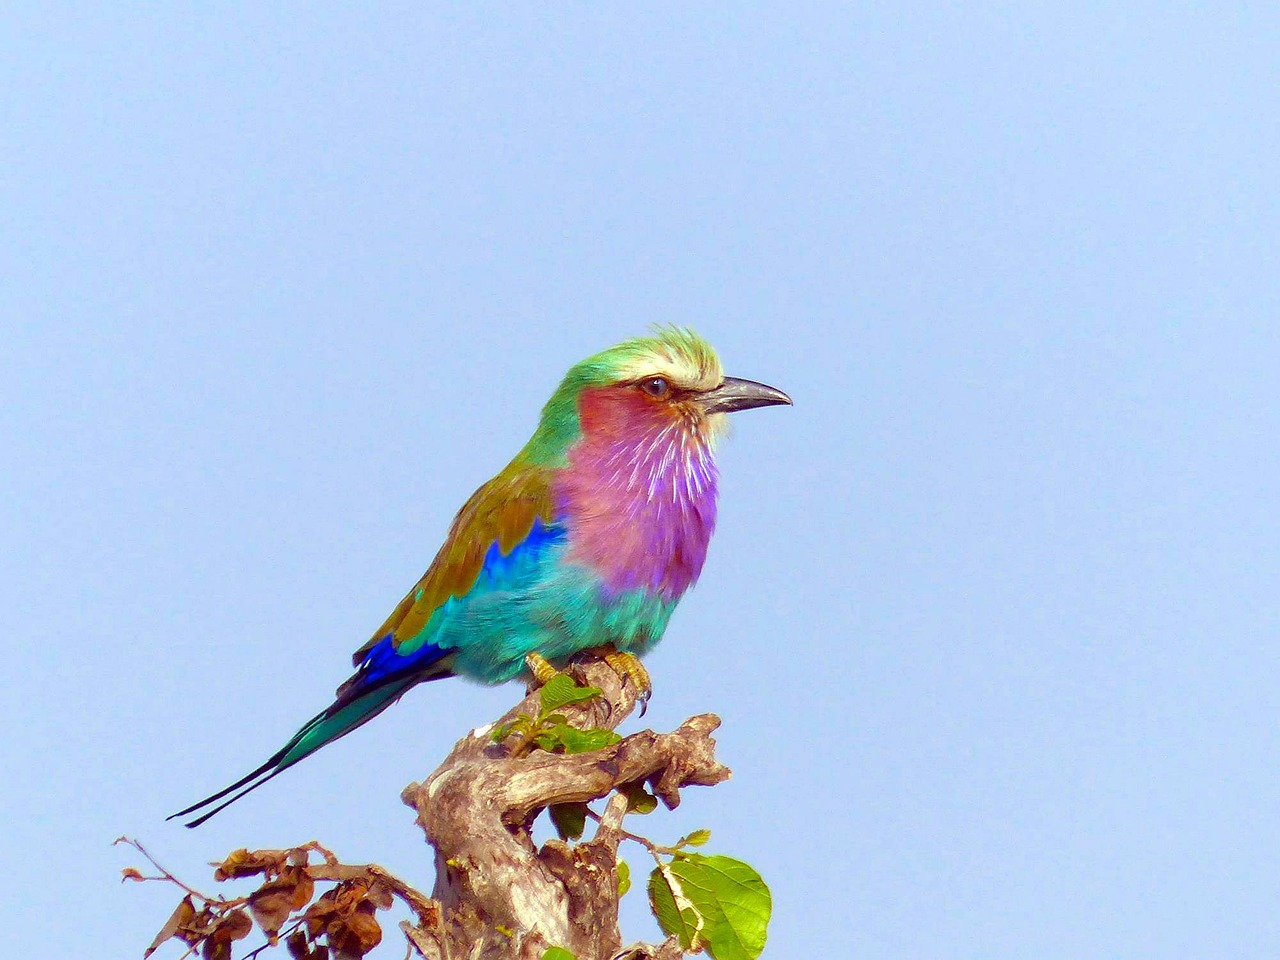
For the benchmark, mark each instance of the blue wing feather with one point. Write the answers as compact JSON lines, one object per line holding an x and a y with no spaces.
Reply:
{"x":387,"y":668}
{"x":500,"y":572}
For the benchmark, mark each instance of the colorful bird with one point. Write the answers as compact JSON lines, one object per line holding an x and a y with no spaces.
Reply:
{"x":588,"y":538}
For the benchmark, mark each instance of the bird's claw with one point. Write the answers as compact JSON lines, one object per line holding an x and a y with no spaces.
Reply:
{"x":628,"y":667}
{"x":540,"y":668}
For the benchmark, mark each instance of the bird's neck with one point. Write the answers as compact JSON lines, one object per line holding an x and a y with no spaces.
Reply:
{"x":639,"y":500}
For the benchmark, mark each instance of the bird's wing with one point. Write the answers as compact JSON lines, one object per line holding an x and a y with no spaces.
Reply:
{"x":508,"y":516}
{"x":506,"y":513}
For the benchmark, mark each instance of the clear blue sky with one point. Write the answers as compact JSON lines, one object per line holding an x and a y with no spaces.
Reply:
{"x":991,"y":615}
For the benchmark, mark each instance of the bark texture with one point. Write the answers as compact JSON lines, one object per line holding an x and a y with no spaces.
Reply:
{"x":502,"y":896}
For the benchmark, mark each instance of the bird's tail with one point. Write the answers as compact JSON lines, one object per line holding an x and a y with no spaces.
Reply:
{"x":357,"y":704}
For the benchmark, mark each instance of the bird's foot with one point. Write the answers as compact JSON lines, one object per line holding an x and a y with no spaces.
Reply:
{"x":540,"y":668}
{"x":628,"y":667}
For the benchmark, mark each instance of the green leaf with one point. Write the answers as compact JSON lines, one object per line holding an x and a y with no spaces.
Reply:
{"x":717,"y":902}
{"x":624,"y":878}
{"x":547,"y":741}
{"x":583,"y":741}
{"x":679,"y":918}
{"x":562,"y":690}
{"x":695,"y":839}
{"x":521,"y":723}
{"x":639,"y":800}
{"x":557,"y":953}
{"x":570,"y":819}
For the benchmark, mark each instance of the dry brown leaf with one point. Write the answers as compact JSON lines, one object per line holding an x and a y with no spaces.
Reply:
{"x":236,"y":925}
{"x":246,"y":863}
{"x":238,"y":863}
{"x":129,"y":873}
{"x":304,"y":887}
{"x":302,"y":949}
{"x":271,"y":905}
{"x":178,"y":920}
{"x":231,"y":927}
{"x":216,"y":948}
{"x":355,"y":934}
{"x":199,"y":926}
{"x":297,"y":945}
{"x":321,"y":912}
{"x":231,"y":865}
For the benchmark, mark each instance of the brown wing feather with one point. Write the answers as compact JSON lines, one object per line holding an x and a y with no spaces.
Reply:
{"x":501,"y":511}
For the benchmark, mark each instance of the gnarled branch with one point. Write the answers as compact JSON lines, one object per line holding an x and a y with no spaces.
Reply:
{"x":503,"y":896}
{"x":497,"y":893}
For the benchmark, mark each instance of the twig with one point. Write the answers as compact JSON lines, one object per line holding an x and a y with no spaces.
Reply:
{"x":656,"y":850}
{"x":166,"y":875}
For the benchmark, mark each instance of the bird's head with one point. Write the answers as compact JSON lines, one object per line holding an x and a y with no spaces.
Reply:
{"x":670,"y":381}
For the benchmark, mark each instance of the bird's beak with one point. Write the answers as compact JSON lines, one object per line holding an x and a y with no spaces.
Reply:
{"x":734,"y":394}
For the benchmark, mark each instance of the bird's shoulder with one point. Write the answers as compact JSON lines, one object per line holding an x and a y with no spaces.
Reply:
{"x":502,"y":512}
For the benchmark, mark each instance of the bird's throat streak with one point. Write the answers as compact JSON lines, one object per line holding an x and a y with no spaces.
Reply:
{"x":639,"y":498}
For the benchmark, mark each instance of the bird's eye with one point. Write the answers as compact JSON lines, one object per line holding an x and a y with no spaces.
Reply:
{"x":655,"y":387}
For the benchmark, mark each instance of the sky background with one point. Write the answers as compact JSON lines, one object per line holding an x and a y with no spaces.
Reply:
{"x":991,"y":613}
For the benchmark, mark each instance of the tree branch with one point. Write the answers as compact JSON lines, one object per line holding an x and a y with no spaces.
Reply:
{"x":502,"y":896}
{"x":497,"y":893}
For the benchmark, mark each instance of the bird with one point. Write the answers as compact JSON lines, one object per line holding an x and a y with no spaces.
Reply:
{"x":587,"y":539}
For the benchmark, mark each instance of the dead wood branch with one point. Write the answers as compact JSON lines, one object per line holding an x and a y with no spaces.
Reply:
{"x":501,"y":895}
{"x":497,"y":893}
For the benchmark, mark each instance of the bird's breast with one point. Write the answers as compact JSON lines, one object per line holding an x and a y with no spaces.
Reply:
{"x":639,"y":511}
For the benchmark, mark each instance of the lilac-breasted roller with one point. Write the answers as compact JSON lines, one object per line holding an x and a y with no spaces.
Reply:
{"x":588,"y":538}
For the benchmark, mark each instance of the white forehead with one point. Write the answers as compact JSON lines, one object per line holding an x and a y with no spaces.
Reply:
{"x":679,"y":356}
